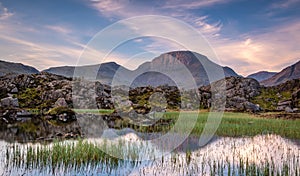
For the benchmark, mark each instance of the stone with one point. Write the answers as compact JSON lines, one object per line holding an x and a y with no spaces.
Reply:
{"x":252,"y":107}
{"x":14,"y":90}
{"x":15,"y":102}
{"x":61,"y":102}
{"x":285,"y":103}
{"x":9,"y":102}
{"x":288,"y":110}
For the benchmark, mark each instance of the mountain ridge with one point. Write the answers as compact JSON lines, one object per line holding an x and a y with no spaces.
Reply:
{"x":15,"y":68}
{"x":152,"y":72}
{"x":288,"y":73}
{"x":262,"y":75}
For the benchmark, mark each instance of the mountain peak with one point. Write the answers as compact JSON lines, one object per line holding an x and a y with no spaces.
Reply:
{"x":184,"y":57}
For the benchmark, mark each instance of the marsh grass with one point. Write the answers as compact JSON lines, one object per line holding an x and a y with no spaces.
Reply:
{"x":238,"y":125}
{"x":79,"y":155}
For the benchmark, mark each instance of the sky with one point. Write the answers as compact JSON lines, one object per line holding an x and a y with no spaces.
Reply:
{"x":248,"y":36}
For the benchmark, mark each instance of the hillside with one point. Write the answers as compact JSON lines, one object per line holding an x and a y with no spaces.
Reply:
{"x":15,"y":68}
{"x":289,"y":73}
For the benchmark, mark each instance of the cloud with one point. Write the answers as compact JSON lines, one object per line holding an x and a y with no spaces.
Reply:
{"x":272,"y":50}
{"x":4,"y":12}
{"x":174,"y":8}
{"x":59,"y":29}
{"x":40,"y":55}
{"x":284,"y":4}
{"x":191,"y":4}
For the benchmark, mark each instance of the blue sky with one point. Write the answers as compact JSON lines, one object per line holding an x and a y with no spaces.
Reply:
{"x":247,"y":36}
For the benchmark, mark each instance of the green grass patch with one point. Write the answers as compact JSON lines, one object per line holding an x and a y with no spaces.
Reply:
{"x":95,"y":111}
{"x":242,"y":124}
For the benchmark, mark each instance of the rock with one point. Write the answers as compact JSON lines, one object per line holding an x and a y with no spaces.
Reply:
{"x":15,"y":102}
{"x":14,"y":90}
{"x":9,"y":102}
{"x":285,"y":105}
{"x":252,"y":107}
{"x":239,"y":92}
{"x":23,"y":113}
{"x":288,"y":110}
{"x":61,"y":102}
{"x":296,"y":98}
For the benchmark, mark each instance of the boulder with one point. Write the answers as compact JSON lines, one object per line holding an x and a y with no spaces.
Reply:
{"x":250,"y":107}
{"x":288,"y":110}
{"x":61,"y":102}
{"x":285,"y":105}
{"x":9,"y":102}
{"x":14,"y":90}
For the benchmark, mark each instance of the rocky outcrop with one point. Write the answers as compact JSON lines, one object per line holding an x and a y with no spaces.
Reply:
{"x":239,"y":92}
{"x":296,"y":99}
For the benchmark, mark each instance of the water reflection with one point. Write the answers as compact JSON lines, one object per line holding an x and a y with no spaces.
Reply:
{"x":223,"y":155}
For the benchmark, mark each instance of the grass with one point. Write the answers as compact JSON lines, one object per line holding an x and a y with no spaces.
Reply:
{"x":232,"y":124}
{"x":243,"y":124}
{"x":69,"y":155}
{"x":96,"y":111}
{"x":87,"y":156}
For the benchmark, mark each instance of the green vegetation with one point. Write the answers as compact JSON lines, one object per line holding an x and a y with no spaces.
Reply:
{"x":96,"y":111}
{"x":243,"y":124}
{"x":233,"y":125}
{"x":60,"y":110}
{"x":29,"y":98}
{"x":72,"y":154}
{"x":269,"y":98}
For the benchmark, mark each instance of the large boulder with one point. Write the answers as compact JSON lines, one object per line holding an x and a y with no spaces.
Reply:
{"x":9,"y":102}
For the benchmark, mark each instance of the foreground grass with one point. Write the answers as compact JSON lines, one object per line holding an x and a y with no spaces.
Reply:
{"x":89,"y":157}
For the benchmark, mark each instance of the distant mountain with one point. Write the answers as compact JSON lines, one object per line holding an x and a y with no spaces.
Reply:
{"x":173,"y":68}
{"x":289,"y":73}
{"x":104,"y":72}
{"x":15,"y":68}
{"x":262,"y":75}
{"x":182,"y":67}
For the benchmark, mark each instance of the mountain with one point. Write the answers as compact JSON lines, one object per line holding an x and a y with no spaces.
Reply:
{"x":289,"y":73}
{"x":15,"y":68}
{"x":262,"y":75}
{"x":104,"y":72}
{"x":179,"y":68}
